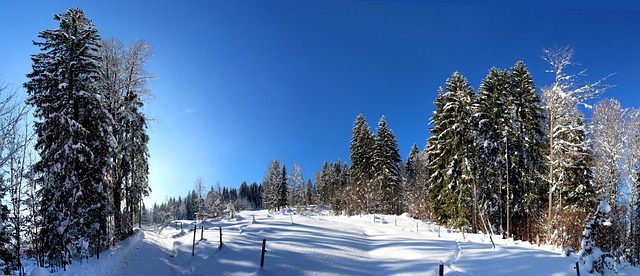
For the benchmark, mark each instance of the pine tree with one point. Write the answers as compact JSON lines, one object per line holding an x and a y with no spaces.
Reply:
{"x":361,"y":175}
{"x":270,"y":186}
{"x":387,"y":161}
{"x":310,"y":193}
{"x":74,"y":139}
{"x":283,"y":193}
{"x":526,"y":152}
{"x":449,"y":152}
{"x":411,"y":188}
{"x":593,"y":236}
{"x":491,"y":116}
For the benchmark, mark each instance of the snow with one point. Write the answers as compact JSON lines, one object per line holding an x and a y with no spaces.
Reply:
{"x":321,"y":244}
{"x":604,"y":207}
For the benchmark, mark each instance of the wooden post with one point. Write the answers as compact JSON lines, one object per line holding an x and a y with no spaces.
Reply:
{"x":417,"y":227}
{"x":264,"y":244}
{"x":220,"y":247}
{"x":201,"y":231}
{"x":98,"y":245}
{"x":441,"y":269}
{"x":577,"y":268}
{"x":193,"y":249}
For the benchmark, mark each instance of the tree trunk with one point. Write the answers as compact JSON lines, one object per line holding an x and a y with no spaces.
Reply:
{"x":508,"y":190}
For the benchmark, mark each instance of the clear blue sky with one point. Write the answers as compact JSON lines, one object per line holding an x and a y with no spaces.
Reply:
{"x":241,"y":83}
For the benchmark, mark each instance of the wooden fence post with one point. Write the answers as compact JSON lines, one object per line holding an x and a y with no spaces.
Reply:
{"x":201,"y":231}
{"x":577,"y":268}
{"x":193,"y":249}
{"x":441,"y":270}
{"x":220,"y":247}
{"x":264,"y":244}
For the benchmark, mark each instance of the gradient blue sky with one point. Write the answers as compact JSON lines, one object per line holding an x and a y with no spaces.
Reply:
{"x":241,"y":83}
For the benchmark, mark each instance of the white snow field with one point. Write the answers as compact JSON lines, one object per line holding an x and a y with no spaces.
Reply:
{"x":321,"y":245}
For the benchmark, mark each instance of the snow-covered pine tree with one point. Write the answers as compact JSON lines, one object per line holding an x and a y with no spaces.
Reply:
{"x":411,"y":189}
{"x":310,"y":193}
{"x":270,"y":184}
{"x":358,"y":191}
{"x":282,"y":191}
{"x":491,"y":115}
{"x":213,"y":203}
{"x":590,"y":255}
{"x":387,"y":161}
{"x":449,"y":151}
{"x":331,"y":184}
{"x":74,"y":139}
{"x":526,"y":152}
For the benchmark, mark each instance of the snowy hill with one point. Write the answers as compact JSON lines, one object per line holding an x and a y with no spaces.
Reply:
{"x":321,"y":245}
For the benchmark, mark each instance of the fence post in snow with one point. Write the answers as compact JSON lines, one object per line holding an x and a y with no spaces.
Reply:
{"x":417,"y":227}
{"x":220,"y":247}
{"x":195,"y":231}
{"x":577,"y":268}
{"x":201,"y":231}
{"x":441,"y":269}
{"x":264,"y":244}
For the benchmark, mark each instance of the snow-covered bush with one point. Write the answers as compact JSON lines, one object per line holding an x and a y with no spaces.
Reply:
{"x":593,"y":259}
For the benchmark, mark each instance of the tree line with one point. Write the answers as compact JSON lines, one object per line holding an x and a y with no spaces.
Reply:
{"x":75,"y":180}
{"x":506,"y":159}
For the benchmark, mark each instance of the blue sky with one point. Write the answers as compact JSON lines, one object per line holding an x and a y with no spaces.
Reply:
{"x":241,"y":83}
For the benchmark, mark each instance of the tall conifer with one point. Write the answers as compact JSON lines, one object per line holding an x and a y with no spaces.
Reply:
{"x":74,"y":139}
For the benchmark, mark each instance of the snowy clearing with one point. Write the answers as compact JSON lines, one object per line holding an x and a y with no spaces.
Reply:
{"x":321,"y":245}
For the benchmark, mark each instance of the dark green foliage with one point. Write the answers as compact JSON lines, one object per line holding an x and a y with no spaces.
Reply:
{"x":359,"y":196}
{"x":73,"y":139}
{"x":387,"y":162}
{"x":331,"y":183}
{"x":449,"y":153}
{"x":283,"y":193}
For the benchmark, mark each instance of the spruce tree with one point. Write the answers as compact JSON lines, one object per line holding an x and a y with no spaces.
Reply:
{"x":387,"y":160}
{"x":526,"y":151}
{"x":491,"y":110}
{"x":271,"y":185}
{"x":411,"y":189}
{"x":360,"y":185}
{"x":449,"y":152}
{"x":283,"y":193}
{"x":74,"y":139}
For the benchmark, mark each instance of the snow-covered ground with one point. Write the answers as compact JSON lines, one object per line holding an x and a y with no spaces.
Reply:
{"x":321,"y":245}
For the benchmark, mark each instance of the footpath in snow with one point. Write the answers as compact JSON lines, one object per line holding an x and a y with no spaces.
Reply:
{"x":320,"y":245}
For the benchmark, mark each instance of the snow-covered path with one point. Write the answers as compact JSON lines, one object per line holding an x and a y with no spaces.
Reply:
{"x":321,"y":245}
